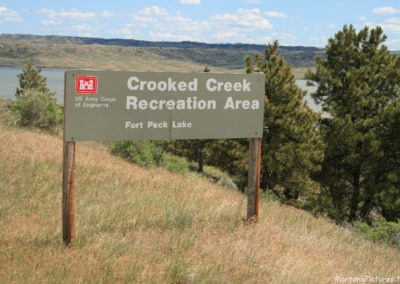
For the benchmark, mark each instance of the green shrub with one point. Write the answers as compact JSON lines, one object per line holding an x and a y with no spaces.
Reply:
{"x":381,"y":231}
{"x":227,"y":182}
{"x":270,"y":196}
{"x":142,"y":153}
{"x":34,"y":109}
{"x":35,"y":106}
{"x":149,"y":154}
{"x":175,"y":164}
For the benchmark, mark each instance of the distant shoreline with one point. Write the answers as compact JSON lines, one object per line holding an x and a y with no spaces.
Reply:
{"x":121,"y":54}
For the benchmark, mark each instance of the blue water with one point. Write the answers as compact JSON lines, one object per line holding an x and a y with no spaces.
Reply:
{"x":9,"y":81}
{"x":55,"y":82}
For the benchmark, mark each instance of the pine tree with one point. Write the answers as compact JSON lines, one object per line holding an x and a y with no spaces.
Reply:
{"x":292,"y":148}
{"x":388,"y":169}
{"x":31,"y":79}
{"x":231,"y":156}
{"x":35,"y":105}
{"x":358,"y":85}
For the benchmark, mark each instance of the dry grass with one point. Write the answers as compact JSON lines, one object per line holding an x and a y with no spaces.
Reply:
{"x":300,"y":72}
{"x":139,"y":225}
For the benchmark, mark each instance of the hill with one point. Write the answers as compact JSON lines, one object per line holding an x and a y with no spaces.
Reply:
{"x":81,"y":52}
{"x":140,"y":225}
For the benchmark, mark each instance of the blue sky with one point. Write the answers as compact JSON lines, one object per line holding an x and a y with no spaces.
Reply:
{"x":292,"y":22}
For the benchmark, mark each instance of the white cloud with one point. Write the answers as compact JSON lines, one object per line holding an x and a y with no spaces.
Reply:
{"x":166,"y":26}
{"x":331,"y":26}
{"x":391,"y":25}
{"x":386,"y":10}
{"x":191,"y":2}
{"x":286,"y":38}
{"x":318,"y":41}
{"x":7,"y":15}
{"x":153,"y":11}
{"x":84,"y":28}
{"x":107,"y":14}
{"x":229,"y":36}
{"x":126,"y":31}
{"x":75,"y":14}
{"x":393,"y":44}
{"x":274,"y":14}
{"x":266,"y":39}
{"x":367,"y":24}
{"x":171,"y":37}
{"x":149,"y":15}
{"x":242,"y":19}
{"x":49,"y":13}
{"x":52,"y":18}
{"x":186,"y":24}
{"x":234,"y":26}
{"x":51,"y":22}
{"x":238,"y":26}
{"x":58,"y":17}
{"x":160,"y":20}
{"x":144,"y":22}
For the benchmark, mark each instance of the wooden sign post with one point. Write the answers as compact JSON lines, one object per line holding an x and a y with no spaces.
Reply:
{"x":68,"y":197}
{"x":253,"y":186}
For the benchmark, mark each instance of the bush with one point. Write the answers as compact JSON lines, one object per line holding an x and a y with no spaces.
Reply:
{"x":35,"y":106}
{"x":270,"y":196}
{"x":228,"y":183}
{"x":175,"y":164}
{"x":149,"y":154}
{"x":34,"y":109}
{"x":142,"y":153}
{"x":381,"y":231}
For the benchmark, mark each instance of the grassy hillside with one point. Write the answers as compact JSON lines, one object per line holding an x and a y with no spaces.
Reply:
{"x":125,"y":58}
{"x":77,"y":52}
{"x":92,"y":57}
{"x":141,"y":225}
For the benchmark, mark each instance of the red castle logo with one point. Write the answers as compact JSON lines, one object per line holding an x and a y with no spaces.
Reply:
{"x":86,"y":85}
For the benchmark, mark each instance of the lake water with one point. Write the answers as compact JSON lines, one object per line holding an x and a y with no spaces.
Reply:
{"x":9,"y":81}
{"x":55,"y":82}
